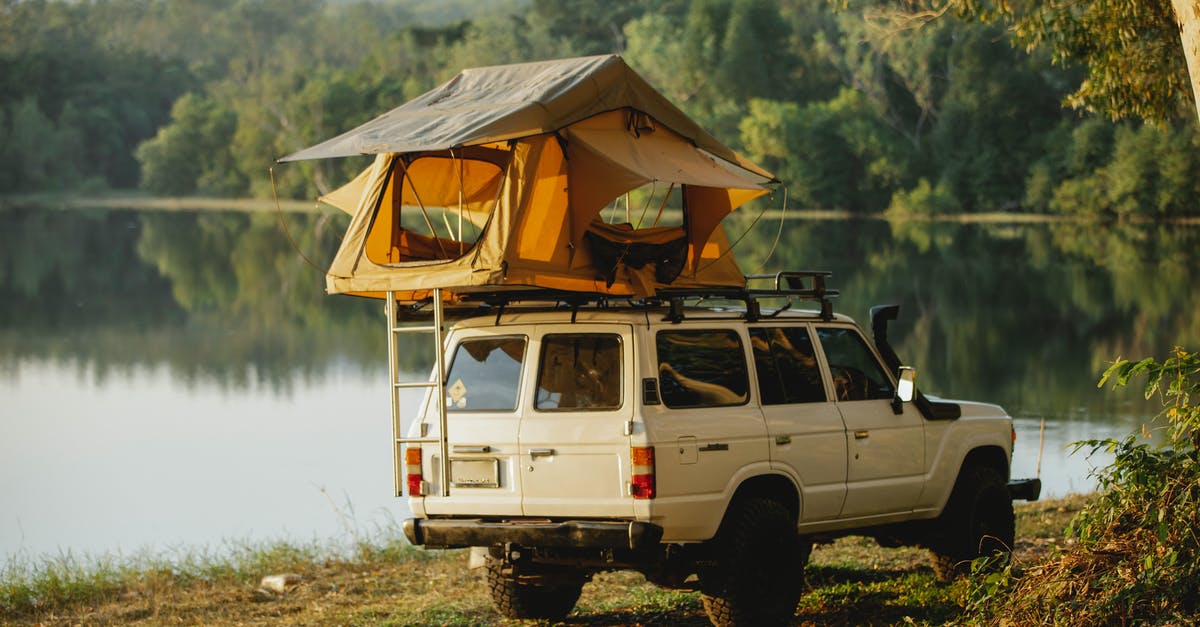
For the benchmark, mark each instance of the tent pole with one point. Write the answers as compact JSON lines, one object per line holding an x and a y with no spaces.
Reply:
{"x":428,"y":222}
{"x":461,"y":164}
{"x":646,"y":205}
{"x":663,"y":205}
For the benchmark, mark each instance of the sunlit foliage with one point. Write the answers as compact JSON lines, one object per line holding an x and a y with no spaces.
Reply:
{"x":856,"y":104}
{"x":1137,"y":555}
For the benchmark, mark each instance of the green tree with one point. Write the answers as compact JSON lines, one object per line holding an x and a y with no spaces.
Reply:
{"x":592,"y":27}
{"x":100,"y":97}
{"x":754,"y":59}
{"x":902,"y":69}
{"x":831,"y":155}
{"x":1149,"y":172}
{"x":993,"y":116}
{"x":1130,"y":49}
{"x":714,"y":58}
{"x":193,"y":153}
{"x":28,"y":151}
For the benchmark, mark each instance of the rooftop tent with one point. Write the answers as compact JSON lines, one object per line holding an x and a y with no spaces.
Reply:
{"x":498,"y":177}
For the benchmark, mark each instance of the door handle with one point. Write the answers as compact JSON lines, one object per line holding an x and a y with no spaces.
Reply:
{"x":473,"y":449}
{"x":783,"y":439}
{"x":861,"y":435}
{"x":541,"y":452}
{"x":714,"y":447}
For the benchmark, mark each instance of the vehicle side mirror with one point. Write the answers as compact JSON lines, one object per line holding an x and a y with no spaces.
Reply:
{"x":907,"y":386}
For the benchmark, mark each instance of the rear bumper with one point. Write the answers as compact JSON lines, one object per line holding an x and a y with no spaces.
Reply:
{"x":1025,"y":489}
{"x":458,"y":532}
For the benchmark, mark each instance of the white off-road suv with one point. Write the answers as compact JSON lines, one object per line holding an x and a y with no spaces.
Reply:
{"x":705,"y":447}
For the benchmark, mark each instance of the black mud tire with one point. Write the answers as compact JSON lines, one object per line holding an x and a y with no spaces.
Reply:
{"x":516,"y":599}
{"x":978,"y":521}
{"x":759,"y":572}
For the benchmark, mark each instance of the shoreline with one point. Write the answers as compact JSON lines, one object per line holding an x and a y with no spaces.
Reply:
{"x":139,"y":202}
{"x":849,"y":581}
{"x":132,"y":200}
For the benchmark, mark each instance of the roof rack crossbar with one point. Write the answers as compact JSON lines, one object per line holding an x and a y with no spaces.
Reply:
{"x":792,"y":284}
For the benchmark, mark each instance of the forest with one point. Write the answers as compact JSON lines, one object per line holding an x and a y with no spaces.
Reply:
{"x":853,"y":108}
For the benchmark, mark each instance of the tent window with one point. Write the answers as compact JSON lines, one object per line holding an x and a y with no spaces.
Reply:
{"x":652,"y":205}
{"x":434,"y":206}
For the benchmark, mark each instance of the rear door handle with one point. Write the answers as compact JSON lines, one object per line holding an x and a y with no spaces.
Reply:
{"x":714,"y":447}
{"x":541,"y":452}
{"x":861,"y":435}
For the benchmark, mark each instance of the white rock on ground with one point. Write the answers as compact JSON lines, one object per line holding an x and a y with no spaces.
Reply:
{"x":280,"y":583}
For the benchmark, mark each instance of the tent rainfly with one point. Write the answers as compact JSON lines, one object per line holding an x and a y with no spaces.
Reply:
{"x":497,"y":179}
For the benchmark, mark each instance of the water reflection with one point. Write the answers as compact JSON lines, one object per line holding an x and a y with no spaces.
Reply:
{"x":1024,"y":315}
{"x":181,"y":377}
{"x":138,"y":459}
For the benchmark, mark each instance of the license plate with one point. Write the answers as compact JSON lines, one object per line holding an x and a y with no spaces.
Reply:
{"x":475,"y":473}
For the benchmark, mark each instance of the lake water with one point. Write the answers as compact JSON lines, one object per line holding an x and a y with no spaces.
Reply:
{"x":179,"y":379}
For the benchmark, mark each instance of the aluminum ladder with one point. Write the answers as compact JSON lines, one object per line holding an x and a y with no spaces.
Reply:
{"x":438,"y":385}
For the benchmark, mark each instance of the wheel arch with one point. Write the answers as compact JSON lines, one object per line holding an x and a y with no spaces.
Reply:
{"x":989,"y":456}
{"x":770,"y":486}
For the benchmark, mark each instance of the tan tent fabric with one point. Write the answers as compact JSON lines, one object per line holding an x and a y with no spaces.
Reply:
{"x":347,"y":196}
{"x":499,"y":103}
{"x":491,"y":181}
{"x":607,"y":160}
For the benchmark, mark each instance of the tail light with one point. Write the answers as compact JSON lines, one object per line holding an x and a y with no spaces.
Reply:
{"x":412,"y":471}
{"x":1014,"y":435}
{"x":642,"y":486}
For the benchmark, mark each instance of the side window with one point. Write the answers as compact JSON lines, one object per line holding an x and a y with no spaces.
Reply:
{"x":580,"y":371}
{"x":485,"y":374}
{"x":701,"y":368}
{"x":857,"y":376}
{"x":786,"y":365}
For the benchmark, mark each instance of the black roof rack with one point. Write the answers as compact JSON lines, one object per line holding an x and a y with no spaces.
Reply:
{"x":794,"y":284}
{"x":790,"y":283}
{"x":787,"y":284}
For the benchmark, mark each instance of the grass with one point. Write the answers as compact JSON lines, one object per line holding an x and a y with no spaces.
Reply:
{"x":851,"y":581}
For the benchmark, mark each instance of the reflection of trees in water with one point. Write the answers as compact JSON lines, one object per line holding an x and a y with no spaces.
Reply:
{"x":1025,"y":315}
{"x":217,"y":296}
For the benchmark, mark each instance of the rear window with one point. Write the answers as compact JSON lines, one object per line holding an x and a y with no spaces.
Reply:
{"x":701,"y":368}
{"x":485,"y":374}
{"x":580,"y":372}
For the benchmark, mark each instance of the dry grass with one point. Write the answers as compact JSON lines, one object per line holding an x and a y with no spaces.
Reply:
{"x":852,"y":581}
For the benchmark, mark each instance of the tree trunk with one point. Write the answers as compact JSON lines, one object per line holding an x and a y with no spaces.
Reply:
{"x":1187,"y":13}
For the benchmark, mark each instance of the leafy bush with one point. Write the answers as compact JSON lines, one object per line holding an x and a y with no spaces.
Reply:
{"x":924,"y":199}
{"x":1148,"y":172}
{"x":1137,"y":544}
{"x":834,"y":155}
